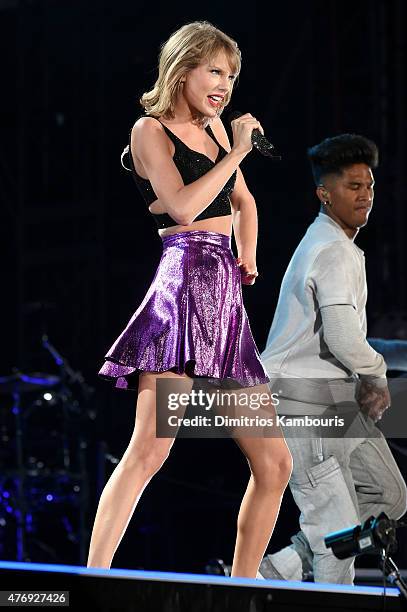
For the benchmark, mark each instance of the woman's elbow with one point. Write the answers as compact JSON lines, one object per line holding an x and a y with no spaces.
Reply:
{"x":180,"y":217}
{"x":177,"y":213}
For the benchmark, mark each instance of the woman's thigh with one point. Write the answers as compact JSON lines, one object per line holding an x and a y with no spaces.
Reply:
{"x":144,"y":437}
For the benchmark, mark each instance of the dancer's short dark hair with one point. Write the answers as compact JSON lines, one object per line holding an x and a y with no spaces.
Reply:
{"x":334,"y":154}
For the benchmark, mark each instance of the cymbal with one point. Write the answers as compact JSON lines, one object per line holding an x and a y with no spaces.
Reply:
{"x":23,"y":383}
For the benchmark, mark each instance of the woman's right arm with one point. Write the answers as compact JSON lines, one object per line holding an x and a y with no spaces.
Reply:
{"x":185,"y":202}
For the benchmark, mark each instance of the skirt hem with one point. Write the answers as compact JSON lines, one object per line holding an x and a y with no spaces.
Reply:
{"x":126,"y":377}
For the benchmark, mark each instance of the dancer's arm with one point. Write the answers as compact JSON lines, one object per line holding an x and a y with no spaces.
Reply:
{"x":184,"y":203}
{"x":347,"y":341}
{"x":334,"y":280}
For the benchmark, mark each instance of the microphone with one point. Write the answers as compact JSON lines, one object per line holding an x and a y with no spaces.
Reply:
{"x":258,"y":140}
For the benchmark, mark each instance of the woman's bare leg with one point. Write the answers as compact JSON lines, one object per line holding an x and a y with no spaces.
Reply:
{"x":270,"y":465}
{"x":143,"y":457}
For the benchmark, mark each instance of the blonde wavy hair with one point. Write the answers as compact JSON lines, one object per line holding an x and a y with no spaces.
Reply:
{"x":186,"y":49}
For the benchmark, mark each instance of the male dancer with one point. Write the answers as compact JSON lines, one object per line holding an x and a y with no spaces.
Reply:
{"x":319,"y":332}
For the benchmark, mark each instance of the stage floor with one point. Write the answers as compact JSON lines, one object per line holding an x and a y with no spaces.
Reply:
{"x":145,"y":591}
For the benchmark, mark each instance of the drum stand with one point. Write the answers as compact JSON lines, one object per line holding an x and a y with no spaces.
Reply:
{"x":21,"y":510}
{"x":73,"y":441}
{"x":70,"y":376}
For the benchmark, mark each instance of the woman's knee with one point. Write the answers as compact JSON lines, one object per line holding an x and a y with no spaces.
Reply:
{"x":273,"y":471}
{"x":147,"y":457}
{"x":285,"y":465}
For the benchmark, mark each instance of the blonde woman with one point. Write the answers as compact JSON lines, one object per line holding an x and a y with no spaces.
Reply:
{"x":192,"y":322}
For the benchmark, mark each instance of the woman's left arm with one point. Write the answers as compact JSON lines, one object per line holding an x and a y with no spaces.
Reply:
{"x":244,"y":214}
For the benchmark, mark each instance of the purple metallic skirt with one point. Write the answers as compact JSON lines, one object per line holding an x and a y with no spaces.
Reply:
{"x":192,"y":319}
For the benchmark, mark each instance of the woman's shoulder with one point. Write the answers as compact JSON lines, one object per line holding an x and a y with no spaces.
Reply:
{"x":147,"y":125}
{"x":149,"y":133}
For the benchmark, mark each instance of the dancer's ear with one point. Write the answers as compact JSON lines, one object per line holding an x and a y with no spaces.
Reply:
{"x":323,"y":195}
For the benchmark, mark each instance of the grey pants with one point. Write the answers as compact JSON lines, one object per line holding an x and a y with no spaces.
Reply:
{"x":337,"y":483}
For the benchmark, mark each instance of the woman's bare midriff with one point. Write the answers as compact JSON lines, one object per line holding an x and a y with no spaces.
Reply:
{"x":222,"y":225}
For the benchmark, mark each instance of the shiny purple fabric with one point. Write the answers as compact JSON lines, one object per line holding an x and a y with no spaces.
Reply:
{"x":192,"y":318}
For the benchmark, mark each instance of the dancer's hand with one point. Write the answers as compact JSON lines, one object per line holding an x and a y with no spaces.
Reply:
{"x":373,"y":400}
{"x":242,"y":129}
{"x":248,"y":271}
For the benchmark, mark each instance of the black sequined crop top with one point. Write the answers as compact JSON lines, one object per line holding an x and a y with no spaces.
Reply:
{"x":191,"y":165}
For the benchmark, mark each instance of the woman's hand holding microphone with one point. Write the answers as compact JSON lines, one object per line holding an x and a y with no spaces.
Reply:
{"x":242,"y":129}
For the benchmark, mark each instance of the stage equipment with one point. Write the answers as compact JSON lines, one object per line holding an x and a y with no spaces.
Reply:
{"x":44,"y":486}
{"x":377,"y":535}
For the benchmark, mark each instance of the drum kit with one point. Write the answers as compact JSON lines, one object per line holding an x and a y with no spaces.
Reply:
{"x":44,"y":480}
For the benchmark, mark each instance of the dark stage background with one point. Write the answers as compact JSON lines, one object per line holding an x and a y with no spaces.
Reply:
{"x":80,"y":248}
